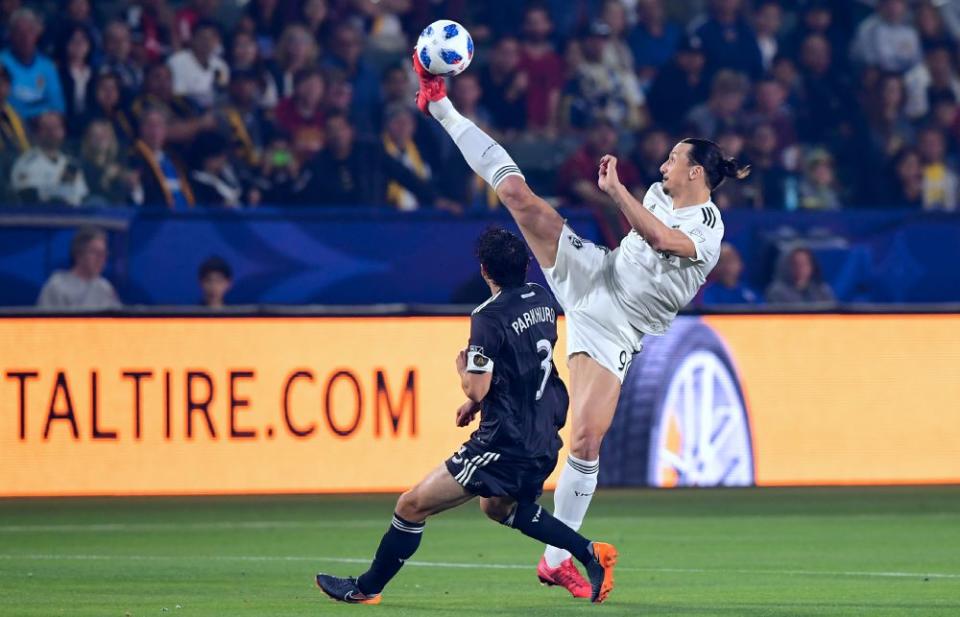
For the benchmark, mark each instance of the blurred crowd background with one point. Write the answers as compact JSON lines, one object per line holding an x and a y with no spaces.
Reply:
{"x":179,"y":105}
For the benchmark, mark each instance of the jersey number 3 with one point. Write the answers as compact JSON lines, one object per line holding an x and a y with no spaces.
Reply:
{"x":544,"y":346}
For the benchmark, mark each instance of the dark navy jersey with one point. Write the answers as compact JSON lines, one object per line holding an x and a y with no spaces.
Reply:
{"x":513,"y":335}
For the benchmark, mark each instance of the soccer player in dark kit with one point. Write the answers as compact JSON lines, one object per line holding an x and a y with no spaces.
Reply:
{"x":508,"y":375}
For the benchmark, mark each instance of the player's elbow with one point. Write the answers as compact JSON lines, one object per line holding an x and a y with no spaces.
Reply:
{"x":474,"y":392}
{"x":656,"y":240}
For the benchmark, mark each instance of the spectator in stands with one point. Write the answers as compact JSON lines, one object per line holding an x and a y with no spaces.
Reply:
{"x":504,"y":86}
{"x":653,"y":40}
{"x":736,"y":194}
{"x":901,"y":184}
{"x":398,"y":142}
{"x":106,"y":105}
{"x":279,"y":173}
{"x":163,"y":179}
{"x":945,"y":115}
{"x":770,"y":107}
{"x":45,"y":174}
{"x":544,"y":69}
{"x":458,"y":182}
{"x":14,"y":139}
{"x":617,"y":54}
{"x":184,"y":121}
{"x":799,"y":281}
{"x":786,"y":73}
{"x":265,"y":20}
{"x":767,"y":23}
{"x":819,"y":189}
{"x":888,"y":127}
{"x":83,"y":285}
{"x":934,"y":77}
{"x":296,"y":50}
{"x":213,"y":180}
{"x":109,"y":181}
{"x":578,"y":176}
{"x":886,"y":39}
{"x":729,"y":41}
{"x":76,"y":72}
{"x":725,"y":286}
{"x":827,"y":102}
{"x":817,"y":17}
{"x":345,"y":54}
{"x":348,"y":172}
{"x":597,"y":88}
{"x":76,"y":14}
{"x":117,"y":52}
{"x":198,"y":71}
{"x":653,"y":148}
{"x":941,"y":187}
{"x":245,"y":57}
{"x":244,"y":121}
{"x":315,"y":15}
{"x":152,"y":29}
{"x":679,"y":86}
{"x":930,"y":25}
{"x":767,"y":175}
{"x":35,"y":84}
{"x":398,"y":90}
{"x":195,"y":11}
{"x":724,"y":108}
{"x":216,"y":279}
{"x":301,"y":116}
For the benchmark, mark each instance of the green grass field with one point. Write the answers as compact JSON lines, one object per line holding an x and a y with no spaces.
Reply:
{"x":784,"y":552}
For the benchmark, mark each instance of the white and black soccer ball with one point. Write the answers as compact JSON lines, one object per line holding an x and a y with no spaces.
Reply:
{"x":445,"y":48}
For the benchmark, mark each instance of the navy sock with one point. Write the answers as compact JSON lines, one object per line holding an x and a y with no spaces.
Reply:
{"x":398,"y":544}
{"x":533,"y":521}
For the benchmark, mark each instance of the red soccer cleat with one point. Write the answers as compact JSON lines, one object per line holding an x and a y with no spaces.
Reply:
{"x":432,"y":87}
{"x":565,"y":575}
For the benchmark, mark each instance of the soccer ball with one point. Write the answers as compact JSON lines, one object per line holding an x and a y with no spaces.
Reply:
{"x":445,"y":48}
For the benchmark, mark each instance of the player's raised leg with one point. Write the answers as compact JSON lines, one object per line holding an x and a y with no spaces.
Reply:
{"x":594,"y":392}
{"x":434,"y":494}
{"x":530,"y":519}
{"x":540,"y":224}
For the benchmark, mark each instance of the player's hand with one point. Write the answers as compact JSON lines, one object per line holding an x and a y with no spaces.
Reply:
{"x":462,"y":361}
{"x":607,"y":178}
{"x":467,"y":413}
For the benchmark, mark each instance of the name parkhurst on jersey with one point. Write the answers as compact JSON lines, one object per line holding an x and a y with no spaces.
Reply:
{"x":651,"y":286}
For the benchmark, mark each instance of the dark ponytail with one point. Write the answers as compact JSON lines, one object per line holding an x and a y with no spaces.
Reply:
{"x":717,"y":167}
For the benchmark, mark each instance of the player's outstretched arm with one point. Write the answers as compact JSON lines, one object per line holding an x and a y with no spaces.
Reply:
{"x":658,"y":236}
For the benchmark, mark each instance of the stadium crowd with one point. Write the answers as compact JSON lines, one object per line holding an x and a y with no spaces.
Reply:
{"x":236,"y":103}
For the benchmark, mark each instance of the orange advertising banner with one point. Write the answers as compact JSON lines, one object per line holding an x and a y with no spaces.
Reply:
{"x":93,"y":406}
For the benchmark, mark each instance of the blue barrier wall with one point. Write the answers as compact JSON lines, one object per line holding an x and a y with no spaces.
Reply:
{"x":335,"y":256}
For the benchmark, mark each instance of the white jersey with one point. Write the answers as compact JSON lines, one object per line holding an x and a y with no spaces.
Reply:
{"x":651,"y":286}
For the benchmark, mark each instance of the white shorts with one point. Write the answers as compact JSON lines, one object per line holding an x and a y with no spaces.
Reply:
{"x":595,"y":323}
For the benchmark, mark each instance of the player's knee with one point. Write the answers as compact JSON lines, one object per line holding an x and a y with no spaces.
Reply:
{"x":410,"y":508}
{"x":496,"y":509}
{"x":585,"y":444}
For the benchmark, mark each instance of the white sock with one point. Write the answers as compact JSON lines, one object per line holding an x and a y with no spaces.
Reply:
{"x":483,"y":154}
{"x":578,"y":481}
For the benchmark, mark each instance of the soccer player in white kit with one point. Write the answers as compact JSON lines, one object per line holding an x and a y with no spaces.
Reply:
{"x":612,"y":299}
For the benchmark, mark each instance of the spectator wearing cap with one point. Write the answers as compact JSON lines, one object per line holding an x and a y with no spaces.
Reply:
{"x":653,"y":40}
{"x":578,"y":175}
{"x":679,"y":86}
{"x":35,"y":83}
{"x":83,"y":285}
{"x":301,"y":116}
{"x":819,"y":189}
{"x":597,"y":89}
{"x":544,"y":69}
{"x":117,"y":58}
{"x":183,"y":117}
{"x":244,"y":121}
{"x":163,"y":180}
{"x":14,"y":138}
{"x":724,"y":108}
{"x":45,"y":174}
{"x":212,"y":178}
{"x":935,"y":77}
{"x":106,"y":104}
{"x":886,"y":40}
{"x":198,"y":71}
{"x":729,"y":41}
{"x":725,"y":285}
{"x":216,"y":279}
{"x":504,"y":86}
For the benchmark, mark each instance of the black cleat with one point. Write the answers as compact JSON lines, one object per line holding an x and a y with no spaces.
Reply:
{"x":345,"y":590}
{"x":600,"y":570}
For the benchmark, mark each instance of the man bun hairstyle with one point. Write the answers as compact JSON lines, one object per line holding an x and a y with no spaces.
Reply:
{"x":717,"y":167}
{"x":504,"y":256}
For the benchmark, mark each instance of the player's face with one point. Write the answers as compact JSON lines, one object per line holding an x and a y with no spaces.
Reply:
{"x":676,"y":169}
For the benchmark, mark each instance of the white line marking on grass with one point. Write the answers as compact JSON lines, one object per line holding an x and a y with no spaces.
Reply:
{"x":212,"y":526}
{"x":470,"y":566}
